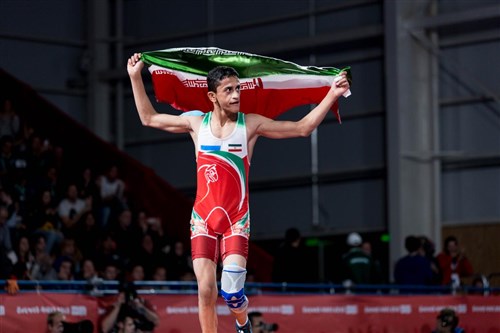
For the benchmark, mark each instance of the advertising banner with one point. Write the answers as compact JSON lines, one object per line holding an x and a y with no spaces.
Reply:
{"x":293,"y":313}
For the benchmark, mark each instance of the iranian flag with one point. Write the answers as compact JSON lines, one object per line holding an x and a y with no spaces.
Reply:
{"x":269,"y":86}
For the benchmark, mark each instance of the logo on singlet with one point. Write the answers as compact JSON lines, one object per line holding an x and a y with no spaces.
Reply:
{"x":211,"y":174}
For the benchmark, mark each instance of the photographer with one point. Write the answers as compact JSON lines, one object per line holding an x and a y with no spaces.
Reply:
{"x":258,"y":324}
{"x":130,"y":314}
{"x":447,"y":322}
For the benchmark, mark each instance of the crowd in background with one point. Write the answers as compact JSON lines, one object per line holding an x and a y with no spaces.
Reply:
{"x":59,"y":224}
{"x":79,"y":225}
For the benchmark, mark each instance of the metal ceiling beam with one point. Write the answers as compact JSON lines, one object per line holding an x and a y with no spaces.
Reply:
{"x":44,"y":40}
{"x":455,"y":18}
{"x":129,"y":42}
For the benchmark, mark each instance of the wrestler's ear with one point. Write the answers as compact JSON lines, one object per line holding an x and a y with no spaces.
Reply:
{"x":212,"y":97}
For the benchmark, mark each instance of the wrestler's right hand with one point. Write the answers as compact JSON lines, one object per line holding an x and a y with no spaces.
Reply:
{"x":134,"y":65}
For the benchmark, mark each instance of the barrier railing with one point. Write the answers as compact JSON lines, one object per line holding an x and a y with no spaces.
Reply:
{"x":98,"y":287}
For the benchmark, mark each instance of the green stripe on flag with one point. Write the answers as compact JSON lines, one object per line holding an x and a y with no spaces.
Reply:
{"x":200,"y":61}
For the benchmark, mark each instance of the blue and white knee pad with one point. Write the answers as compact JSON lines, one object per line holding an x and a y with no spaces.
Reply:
{"x":232,"y":287}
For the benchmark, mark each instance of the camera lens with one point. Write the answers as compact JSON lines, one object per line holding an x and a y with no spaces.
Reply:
{"x":270,"y":326}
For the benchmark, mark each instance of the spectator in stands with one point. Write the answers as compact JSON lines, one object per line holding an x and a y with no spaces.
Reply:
{"x":87,"y":234}
{"x":110,"y":272}
{"x":88,"y":188}
{"x":107,"y":253}
{"x":25,"y":260}
{"x":159,"y":273}
{"x":112,"y":194}
{"x":414,"y":268}
{"x":38,"y":155}
{"x":88,"y":271}
{"x":50,"y":182}
{"x":259,"y":325}
{"x":291,"y":254}
{"x":135,"y":272}
{"x":5,"y":244}
{"x":43,"y":219}
{"x":152,"y":226}
{"x":71,"y":208}
{"x":71,"y":251}
{"x":10,"y":122}
{"x":149,"y":255}
{"x":64,"y":267}
{"x":42,"y":268}
{"x":358,"y":267}
{"x":126,"y":234}
{"x":179,"y":261}
{"x":447,"y":322}
{"x":430,"y":250}
{"x":7,"y":160}
{"x":453,"y":262}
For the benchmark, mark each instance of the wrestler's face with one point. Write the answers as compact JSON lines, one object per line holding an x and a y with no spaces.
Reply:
{"x":227,"y":96}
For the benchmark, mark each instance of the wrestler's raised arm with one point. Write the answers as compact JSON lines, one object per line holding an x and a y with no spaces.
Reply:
{"x":147,"y":113}
{"x":275,"y":129}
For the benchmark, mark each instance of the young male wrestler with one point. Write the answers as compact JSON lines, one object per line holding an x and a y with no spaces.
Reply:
{"x":224,"y":140}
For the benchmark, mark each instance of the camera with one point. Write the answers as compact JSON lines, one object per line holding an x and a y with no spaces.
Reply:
{"x":129,"y":308}
{"x":84,"y":326}
{"x":271,"y":327}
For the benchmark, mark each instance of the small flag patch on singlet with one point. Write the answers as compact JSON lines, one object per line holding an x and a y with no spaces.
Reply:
{"x":234,"y":147}
{"x":210,"y":148}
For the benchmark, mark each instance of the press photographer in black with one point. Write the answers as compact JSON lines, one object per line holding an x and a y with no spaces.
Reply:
{"x":259,"y":325}
{"x":130,"y":313}
{"x":447,"y":322}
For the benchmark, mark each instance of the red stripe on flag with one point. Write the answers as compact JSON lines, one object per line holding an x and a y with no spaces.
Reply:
{"x":267,"y":102}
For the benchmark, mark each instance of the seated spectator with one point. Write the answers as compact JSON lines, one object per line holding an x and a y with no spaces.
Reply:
{"x":159,"y":273}
{"x":153,"y":226}
{"x":88,"y":188}
{"x":107,"y":253}
{"x":110,"y":272}
{"x":149,"y":256}
{"x":71,"y":208}
{"x":88,"y":271}
{"x":64,"y":269}
{"x":414,"y":268}
{"x":7,"y":160}
{"x":25,"y":260}
{"x":6,"y":264}
{"x":10,"y":122}
{"x":44,"y":220}
{"x":135,"y":273}
{"x":179,"y":262}
{"x":87,"y":233}
{"x":70,"y":250}
{"x":125,"y":234}
{"x":42,"y":268}
{"x":453,"y":263}
{"x":112,"y":194}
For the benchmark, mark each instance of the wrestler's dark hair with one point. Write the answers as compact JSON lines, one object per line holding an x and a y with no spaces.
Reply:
{"x":219,"y":73}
